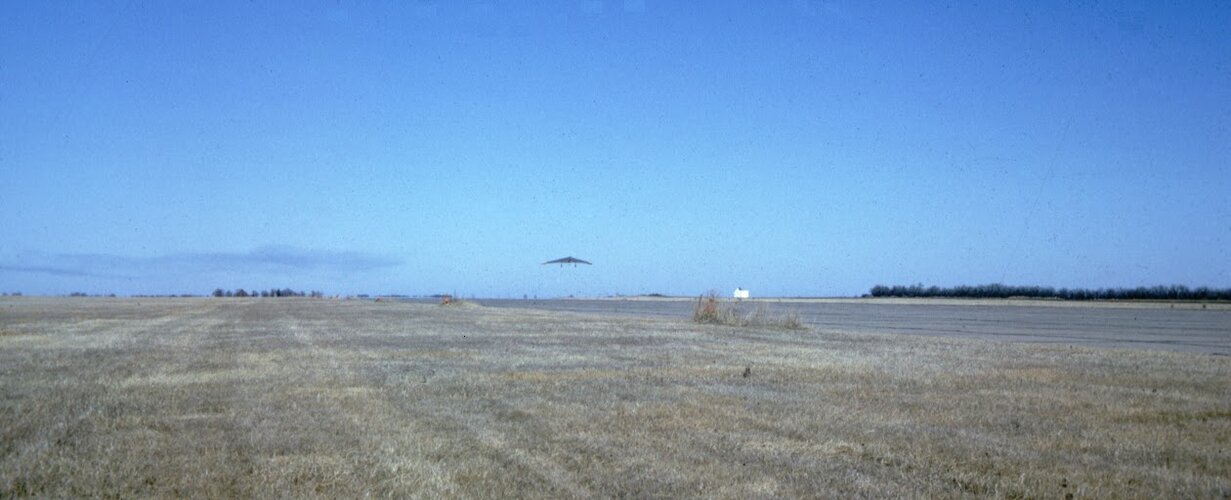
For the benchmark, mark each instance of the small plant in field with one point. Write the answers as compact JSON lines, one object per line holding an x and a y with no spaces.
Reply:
{"x":792,"y":321}
{"x":706,"y":310}
{"x":453,"y":301}
{"x":709,"y":310}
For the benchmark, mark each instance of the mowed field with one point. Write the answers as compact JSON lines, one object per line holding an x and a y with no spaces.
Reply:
{"x":332,"y":398}
{"x":1183,"y":326}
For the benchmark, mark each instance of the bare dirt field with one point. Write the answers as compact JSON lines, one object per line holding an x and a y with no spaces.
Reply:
{"x":330,"y":398}
{"x":1183,"y":326}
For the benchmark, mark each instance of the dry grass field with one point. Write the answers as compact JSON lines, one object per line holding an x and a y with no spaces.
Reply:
{"x":302,"y":398}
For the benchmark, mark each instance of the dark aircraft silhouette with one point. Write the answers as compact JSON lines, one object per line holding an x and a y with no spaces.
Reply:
{"x":567,"y":260}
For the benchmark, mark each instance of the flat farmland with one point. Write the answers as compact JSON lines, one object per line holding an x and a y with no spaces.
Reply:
{"x":1189,"y":327}
{"x":331,"y":398}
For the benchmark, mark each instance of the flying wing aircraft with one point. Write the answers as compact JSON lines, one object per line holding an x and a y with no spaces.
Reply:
{"x":567,"y":260}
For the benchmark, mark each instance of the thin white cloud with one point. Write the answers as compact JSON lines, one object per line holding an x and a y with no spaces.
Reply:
{"x":59,"y":271}
{"x":264,"y":260}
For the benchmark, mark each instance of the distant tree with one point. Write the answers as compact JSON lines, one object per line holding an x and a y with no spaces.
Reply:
{"x":218,"y":292}
{"x":241,"y":293}
{"x":264,"y":293}
{"x":997,"y":290}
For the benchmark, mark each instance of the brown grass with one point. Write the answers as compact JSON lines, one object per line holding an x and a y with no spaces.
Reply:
{"x":709,"y":309}
{"x":311,"y":398}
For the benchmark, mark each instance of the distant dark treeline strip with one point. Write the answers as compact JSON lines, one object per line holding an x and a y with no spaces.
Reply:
{"x":999,"y":291}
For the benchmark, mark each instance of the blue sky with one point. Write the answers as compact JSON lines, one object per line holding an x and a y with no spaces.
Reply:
{"x":791,"y":148}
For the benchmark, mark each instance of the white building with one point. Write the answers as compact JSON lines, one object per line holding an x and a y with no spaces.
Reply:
{"x":740,"y":293}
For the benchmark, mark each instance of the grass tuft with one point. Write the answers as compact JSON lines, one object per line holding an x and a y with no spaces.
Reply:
{"x":451,"y":301}
{"x":709,"y":310}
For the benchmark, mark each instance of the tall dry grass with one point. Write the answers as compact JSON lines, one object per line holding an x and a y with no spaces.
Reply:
{"x":712,"y":310}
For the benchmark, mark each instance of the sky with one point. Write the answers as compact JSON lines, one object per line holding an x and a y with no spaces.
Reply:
{"x":794,"y":148}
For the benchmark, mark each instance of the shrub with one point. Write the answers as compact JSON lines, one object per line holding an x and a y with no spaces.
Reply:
{"x":709,"y":310}
{"x":706,"y":310}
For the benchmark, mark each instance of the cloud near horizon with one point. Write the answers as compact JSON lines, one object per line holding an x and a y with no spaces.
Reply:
{"x":263,"y":260}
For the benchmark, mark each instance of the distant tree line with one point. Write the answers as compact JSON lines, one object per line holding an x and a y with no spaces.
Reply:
{"x":999,"y":291}
{"x":112,"y":295}
{"x":273,"y":292}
